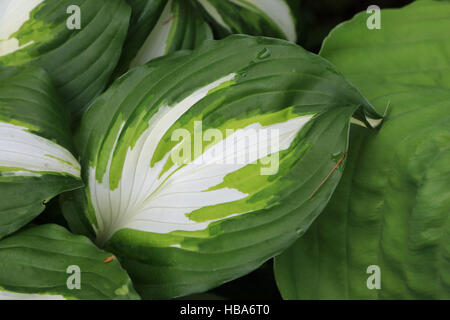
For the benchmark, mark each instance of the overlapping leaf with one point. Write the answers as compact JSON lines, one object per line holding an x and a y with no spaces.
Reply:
{"x":391,"y":209}
{"x":186,"y":226}
{"x":36,"y":163}
{"x":255,"y":17}
{"x":161,"y":27}
{"x":80,"y":61}
{"x":49,"y":263}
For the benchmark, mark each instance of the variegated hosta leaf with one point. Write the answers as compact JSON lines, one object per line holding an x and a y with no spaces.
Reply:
{"x":256,"y":17}
{"x":179,"y":188}
{"x":35,"y":161}
{"x":386,"y":231}
{"x":49,"y":263}
{"x":161,"y":27}
{"x":144,"y":16}
{"x":80,"y":61}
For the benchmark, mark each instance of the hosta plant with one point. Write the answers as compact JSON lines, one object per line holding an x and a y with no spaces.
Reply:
{"x":390,"y":215}
{"x":256,"y":17}
{"x":36,"y":160}
{"x":49,"y":263}
{"x":79,"y":52}
{"x":159,"y":27}
{"x":171,"y":189}
{"x":175,"y":163}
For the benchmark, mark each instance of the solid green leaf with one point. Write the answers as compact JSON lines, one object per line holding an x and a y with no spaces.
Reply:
{"x":36,"y":162}
{"x":49,"y":263}
{"x":391,"y":209}
{"x":184,"y":216}
{"x":80,"y":61}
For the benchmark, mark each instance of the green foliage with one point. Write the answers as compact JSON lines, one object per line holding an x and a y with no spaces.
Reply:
{"x":79,"y":61}
{"x":47,"y":255}
{"x":140,"y":129}
{"x":181,"y":229}
{"x":391,"y":208}
{"x":35,"y":161}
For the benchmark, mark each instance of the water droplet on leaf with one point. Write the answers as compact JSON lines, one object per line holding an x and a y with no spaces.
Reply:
{"x":264,"y":53}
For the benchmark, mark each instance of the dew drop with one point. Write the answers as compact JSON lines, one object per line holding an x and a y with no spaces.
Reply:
{"x":264,"y":53}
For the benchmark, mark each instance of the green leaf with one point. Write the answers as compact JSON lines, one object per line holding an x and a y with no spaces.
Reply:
{"x":80,"y":61}
{"x":392,"y":206}
{"x":161,"y":27}
{"x":144,"y":17}
{"x":187,"y":215}
{"x":272,"y":18}
{"x":49,"y":263}
{"x":36,"y":163}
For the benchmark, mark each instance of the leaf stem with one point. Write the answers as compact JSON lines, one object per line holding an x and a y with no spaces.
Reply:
{"x":328,"y":176}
